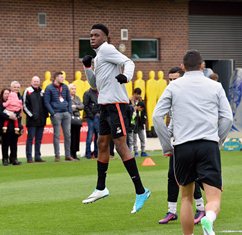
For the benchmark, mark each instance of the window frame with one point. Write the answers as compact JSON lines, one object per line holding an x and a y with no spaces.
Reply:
{"x":42,"y":14}
{"x":156,"y":40}
{"x":86,"y":52}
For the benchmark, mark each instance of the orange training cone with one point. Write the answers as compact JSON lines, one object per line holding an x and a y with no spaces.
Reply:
{"x":148,"y":162}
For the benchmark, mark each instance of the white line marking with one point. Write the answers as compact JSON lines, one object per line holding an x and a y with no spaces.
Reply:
{"x":231,"y":231}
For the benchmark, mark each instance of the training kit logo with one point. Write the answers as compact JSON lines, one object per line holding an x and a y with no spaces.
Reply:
{"x":118,"y":131}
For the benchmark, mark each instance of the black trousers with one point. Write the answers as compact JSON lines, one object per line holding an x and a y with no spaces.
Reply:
{"x":9,"y":141}
{"x":75,"y":140}
{"x":111,"y":146}
{"x":173,"y":187}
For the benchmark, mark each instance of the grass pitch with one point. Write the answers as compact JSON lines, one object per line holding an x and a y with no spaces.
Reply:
{"x":45,"y":198}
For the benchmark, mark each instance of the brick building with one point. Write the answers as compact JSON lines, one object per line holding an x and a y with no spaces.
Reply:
{"x":29,"y":46}
{"x":26,"y":48}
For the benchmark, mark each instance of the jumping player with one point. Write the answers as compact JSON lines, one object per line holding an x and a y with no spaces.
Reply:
{"x":111,"y":70}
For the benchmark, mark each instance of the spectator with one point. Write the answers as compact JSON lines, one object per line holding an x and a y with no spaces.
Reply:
{"x":206,"y":71}
{"x":15,"y":105}
{"x":92,"y":111}
{"x":139,"y":118}
{"x":130,"y":126}
{"x":77,"y":105}
{"x":36,"y":114}
{"x":57,"y":100}
{"x":10,"y":138}
{"x":15,"y":87}
{"x":214,"y":76}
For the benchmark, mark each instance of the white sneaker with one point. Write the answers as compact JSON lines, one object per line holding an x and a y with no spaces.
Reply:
{"x":96,"y":195}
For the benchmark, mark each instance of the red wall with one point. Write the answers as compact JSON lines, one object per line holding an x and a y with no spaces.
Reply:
{"x":27,"y":49}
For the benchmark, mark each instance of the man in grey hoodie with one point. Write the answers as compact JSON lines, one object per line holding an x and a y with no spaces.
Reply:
{"x":202,"y":118}
{"x":111,"y":70}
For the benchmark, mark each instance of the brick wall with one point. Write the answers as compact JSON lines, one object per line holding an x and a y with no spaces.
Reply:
{"x":27,"y":49}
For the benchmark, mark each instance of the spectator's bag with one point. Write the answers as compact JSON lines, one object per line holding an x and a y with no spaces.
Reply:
{"x":76,"y":121}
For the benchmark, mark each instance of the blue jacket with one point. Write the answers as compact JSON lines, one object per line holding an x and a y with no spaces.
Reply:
{"x":53,"y":97}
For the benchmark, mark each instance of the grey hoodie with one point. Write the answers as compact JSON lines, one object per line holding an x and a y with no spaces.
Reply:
{"x":200,"y":111}
{"x":108,"y":63}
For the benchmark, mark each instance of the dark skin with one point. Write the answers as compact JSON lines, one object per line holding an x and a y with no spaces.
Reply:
{"x":97,"y":38}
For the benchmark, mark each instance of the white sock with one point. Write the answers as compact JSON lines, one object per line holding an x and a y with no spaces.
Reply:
{"x":172,"y":207}
{"x":200,"y":204}
{"x":211,"y":215}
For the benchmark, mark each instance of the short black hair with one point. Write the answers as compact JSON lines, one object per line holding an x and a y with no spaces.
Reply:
{"x":137,"y":91}
{"x":176,"y":70}
{"x":102,"y":27}
{"x":192,"y":60}
{"x":56,"y":74}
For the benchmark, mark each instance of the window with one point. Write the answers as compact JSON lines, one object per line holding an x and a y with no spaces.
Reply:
{"x":144,"y":49}
{"x":42,"y":19}
{"x":85,"y":48}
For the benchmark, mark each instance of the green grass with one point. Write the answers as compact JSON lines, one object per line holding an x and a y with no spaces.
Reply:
{"x":46,"y":199}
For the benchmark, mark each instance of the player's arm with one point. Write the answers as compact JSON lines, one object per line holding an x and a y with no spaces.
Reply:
{"x":160,"y":111}
{"x":225,"y":116}
{"x":87,"y":63}
{"x":116,"y":57}
{"x":170,"y":126}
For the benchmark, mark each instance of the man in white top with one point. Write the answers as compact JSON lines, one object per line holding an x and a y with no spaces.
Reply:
{"x":111,"y":70}
{"x":202,"y":118}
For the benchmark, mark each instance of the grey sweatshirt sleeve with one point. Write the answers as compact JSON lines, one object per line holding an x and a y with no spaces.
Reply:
{"x":116,"y":57}
{"x":170,"y":128}
{"x":129,"y":69}
{"x":225,"y":116}
{"x":90,"y":77}
{"x":161,"y":109}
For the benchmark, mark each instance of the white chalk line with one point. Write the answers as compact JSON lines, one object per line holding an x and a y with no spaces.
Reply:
{"x":231,"y":231}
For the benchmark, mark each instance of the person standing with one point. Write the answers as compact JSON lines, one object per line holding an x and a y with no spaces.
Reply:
{"x":138,"y":119}
{"x":114,"y":101}
{"x":214,"y":76}
{"x":57,"y":100}
{"x":173,"y":187}
{"x":15,"y":87}
{"x":13,"y":104}
{"x":202,"y":118}
{"x":77,"y":106}
{"x":9,"y":138}
{"x":206,"y":71}
{"x":36,"y":114}
{"x":92,"y":111}
{"x":130,"y":126}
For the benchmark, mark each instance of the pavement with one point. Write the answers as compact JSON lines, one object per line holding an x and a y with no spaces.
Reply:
{"x":48,"y":149}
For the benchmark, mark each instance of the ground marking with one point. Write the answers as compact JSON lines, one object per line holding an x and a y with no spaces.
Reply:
{"x":231,"y":231}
